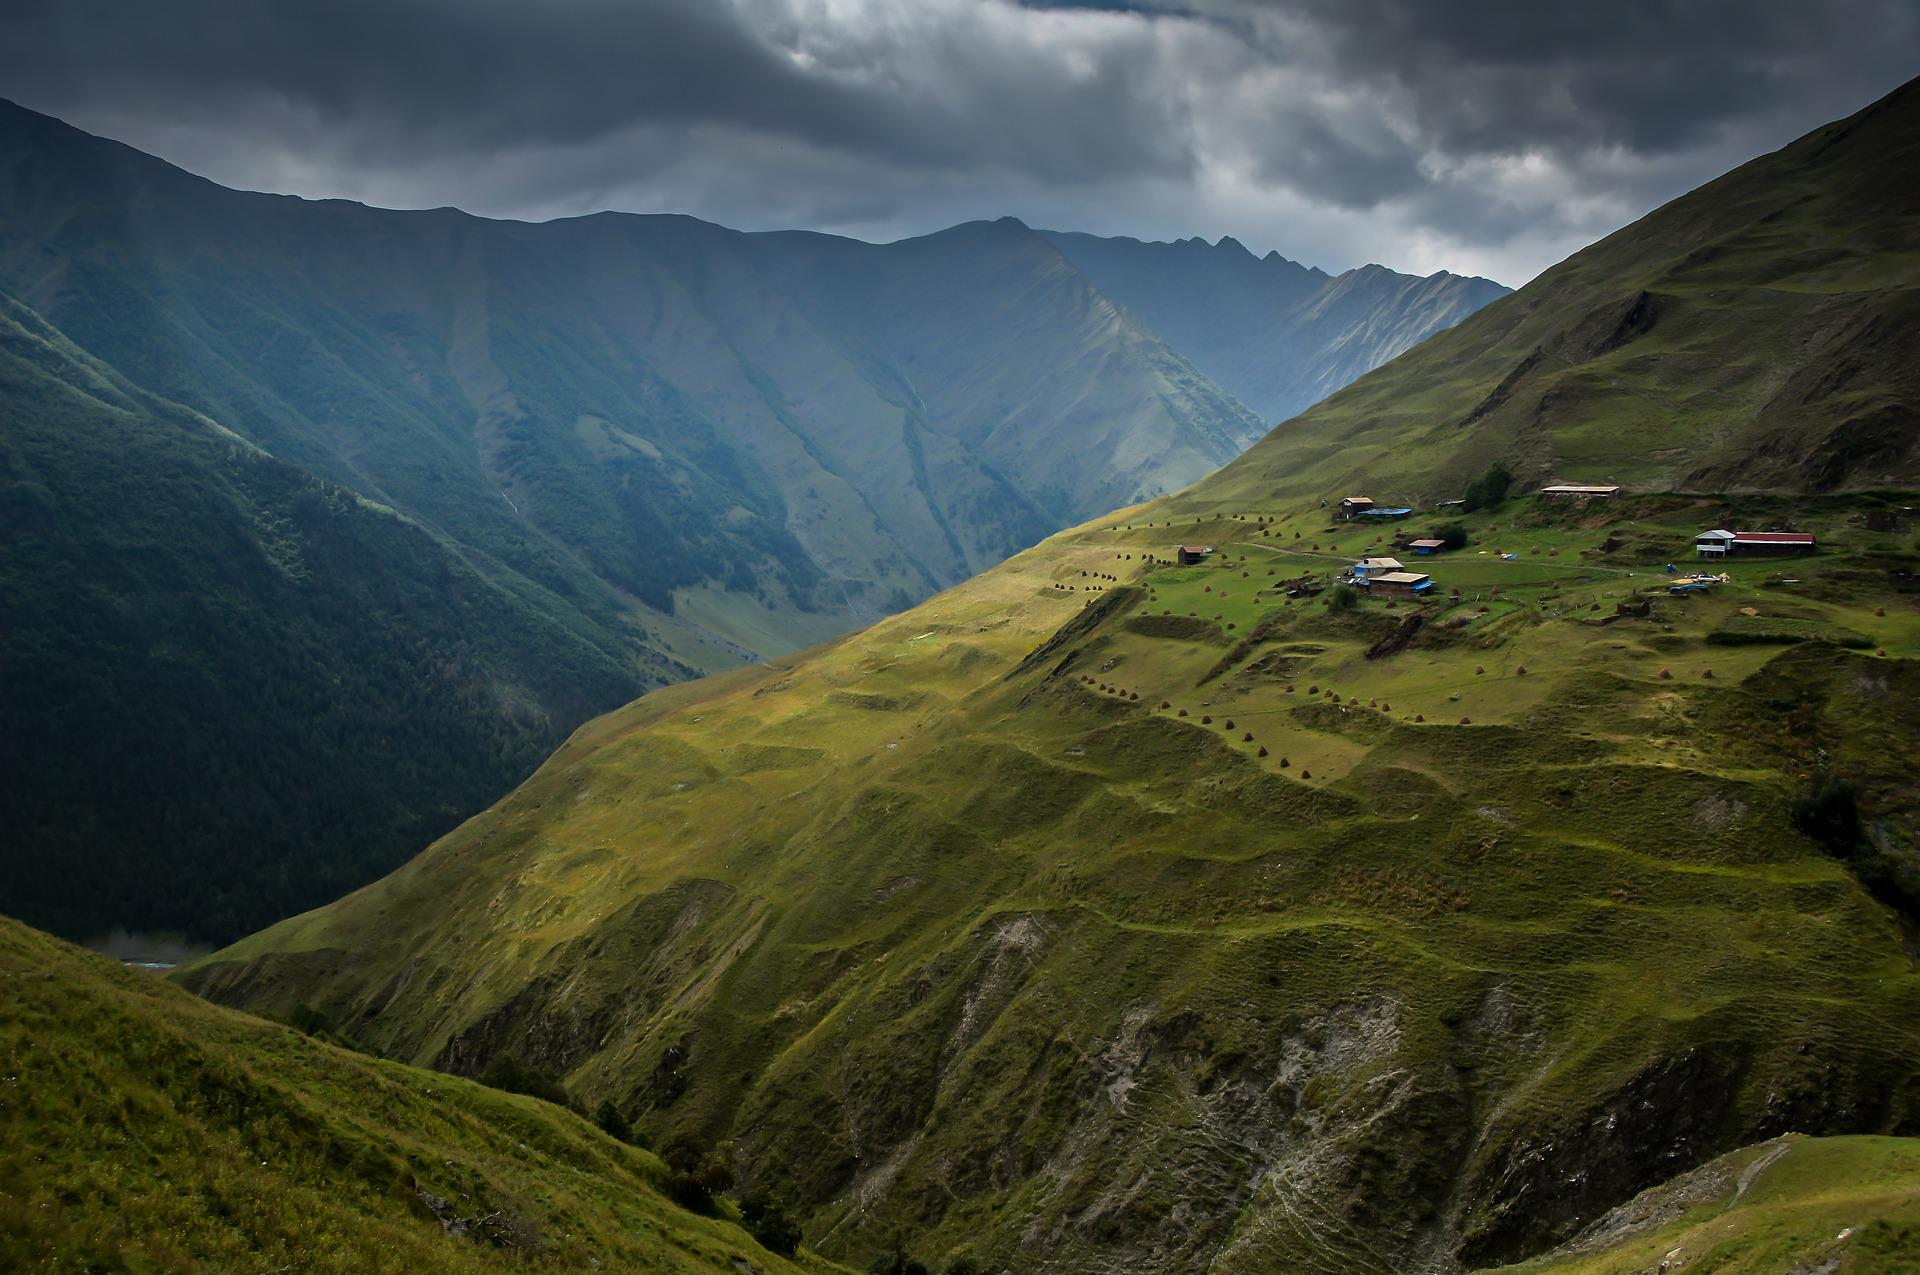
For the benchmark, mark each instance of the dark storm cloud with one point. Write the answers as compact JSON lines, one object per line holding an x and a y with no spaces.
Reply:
{"x":1654,"y":74}
{"x":1490,"y":136}
{"x":403,"y":76}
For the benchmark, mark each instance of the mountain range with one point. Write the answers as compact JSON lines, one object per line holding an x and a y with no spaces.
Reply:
{"x":1277,"y":335}
{"x":582,"y":459}
{"x":1119,"y":911}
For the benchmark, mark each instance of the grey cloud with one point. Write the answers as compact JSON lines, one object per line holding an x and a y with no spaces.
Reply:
{"x":1490,"y":135}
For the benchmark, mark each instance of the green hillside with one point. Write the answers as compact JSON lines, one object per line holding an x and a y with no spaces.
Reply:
{"x":1759,"y":334}
{"x":1104,"y":914}
{"x":1275,"y":334}
{"x":148,"y":1131}
{"x":233,"y":689}
{"x":623,"y":451}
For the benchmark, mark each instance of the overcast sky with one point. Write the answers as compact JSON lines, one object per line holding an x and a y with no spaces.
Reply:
{"x":1482,"y":136}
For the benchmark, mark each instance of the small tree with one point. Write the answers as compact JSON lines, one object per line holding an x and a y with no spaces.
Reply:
{"x":771,"y":1223}
{"x":1453,"y":535}
{"x":698,"y":1174}
{"x":1488,"y":490}
{"x":897,"y":1263}
{"x":506,"y":1071}
{"x":1343,"y":597}
{"x":611,"y":1122}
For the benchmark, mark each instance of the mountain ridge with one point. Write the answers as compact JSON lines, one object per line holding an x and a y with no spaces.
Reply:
{"x":1580,"y":380}
{"x":1287,"y":336}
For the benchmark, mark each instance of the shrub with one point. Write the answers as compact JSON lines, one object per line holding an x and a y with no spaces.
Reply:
{"x":698,"y":1173}
{"x":897,"y":1263}
{"x":1490,"y":489}
{"x":611,"y":1122}
{"x":770,"y":1223}
{"x":1827,"y":810}
{"x":507,"y":1072}
{"x":1452,"y":534}
{"x":308,"y":1020}
{"x":1343,"y":597}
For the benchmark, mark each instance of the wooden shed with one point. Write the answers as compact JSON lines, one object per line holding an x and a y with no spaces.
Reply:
{"x":1581,"y":491}
{"x":1353,"y":506}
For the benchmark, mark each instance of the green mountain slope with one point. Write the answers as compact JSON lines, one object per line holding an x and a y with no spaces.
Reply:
{"x":652,"y":446}
{"x":1104,"y":914}
{"x":754,"y":441}
{"x":148,"y":1131}
{"x":1759,"y":334}
{"x":1273,"y":333}
{"x":232,"y":689}
{"x":659,"y":446}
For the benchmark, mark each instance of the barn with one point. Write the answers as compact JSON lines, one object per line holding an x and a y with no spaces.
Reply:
{"x":1753,"y":544}
{"x":1369,"y":567}
{"x":1397,"y":584}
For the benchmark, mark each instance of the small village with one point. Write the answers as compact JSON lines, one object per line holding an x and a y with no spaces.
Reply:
{"x":1460,"y":612}
{"x":1382,"y":576}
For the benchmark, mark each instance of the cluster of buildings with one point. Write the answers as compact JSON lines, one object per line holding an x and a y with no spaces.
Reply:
{"x":1388,"y":578}
{"x":1354,"y":508}
{"x":1384,"y":577}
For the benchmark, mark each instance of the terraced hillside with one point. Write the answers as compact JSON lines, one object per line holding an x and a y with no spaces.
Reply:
{"x":149,"y":1131}
{"x":955,"y":926}
{"x":1103,"y":914}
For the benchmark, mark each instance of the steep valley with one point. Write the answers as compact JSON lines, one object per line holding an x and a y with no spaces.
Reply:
{"x":654,"y":446}
{"x":1105,"y":914}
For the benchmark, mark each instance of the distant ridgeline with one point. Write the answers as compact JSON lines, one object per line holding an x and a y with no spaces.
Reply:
{"x":325,"y":523}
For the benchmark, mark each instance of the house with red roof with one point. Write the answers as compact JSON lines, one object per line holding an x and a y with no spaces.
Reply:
{"x":1755,"y":544}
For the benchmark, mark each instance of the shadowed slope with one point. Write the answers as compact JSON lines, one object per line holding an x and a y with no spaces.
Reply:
{"x":1792,"y":1204}
{"x":231,"y":688}
{"x":146,"y":1130}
